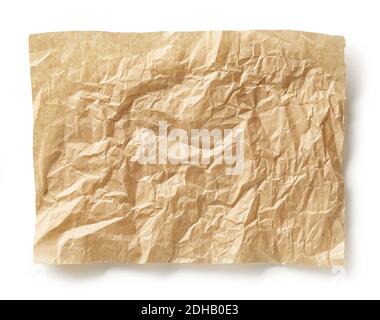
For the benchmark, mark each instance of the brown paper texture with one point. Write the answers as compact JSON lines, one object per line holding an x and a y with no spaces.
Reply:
{"x":198,"y":147}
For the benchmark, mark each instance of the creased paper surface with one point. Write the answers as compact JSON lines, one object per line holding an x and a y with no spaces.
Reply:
{"x":199,"y":147}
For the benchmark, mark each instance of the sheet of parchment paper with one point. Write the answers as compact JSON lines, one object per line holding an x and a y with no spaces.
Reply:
{"x":199,"y":147}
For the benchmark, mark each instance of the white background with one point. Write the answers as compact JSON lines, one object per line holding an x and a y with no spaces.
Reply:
{"x":358,"y":21}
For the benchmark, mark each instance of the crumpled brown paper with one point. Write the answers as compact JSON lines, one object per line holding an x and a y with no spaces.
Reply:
{"x":92,"y":91}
